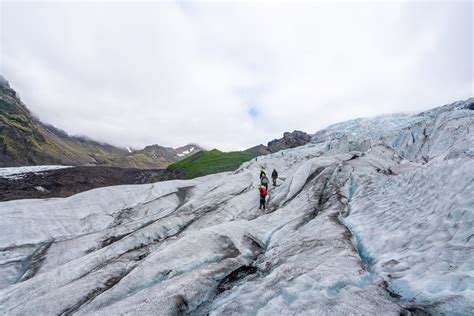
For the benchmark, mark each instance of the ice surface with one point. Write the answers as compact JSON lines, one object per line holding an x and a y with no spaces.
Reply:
{"x":374,"y":220}
{"x":422,"y":243}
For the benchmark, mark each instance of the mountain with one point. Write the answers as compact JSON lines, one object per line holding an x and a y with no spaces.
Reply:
{"x":289,"y":140}
{"x":372,"y":217}
{"x":24,"y":140}
{"x":156,"y":156}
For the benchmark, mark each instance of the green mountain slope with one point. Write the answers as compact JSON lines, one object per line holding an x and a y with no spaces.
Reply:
{"x":209,"y":162}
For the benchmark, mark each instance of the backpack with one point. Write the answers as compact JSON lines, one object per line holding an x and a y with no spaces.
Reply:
{"x":263,"y":191}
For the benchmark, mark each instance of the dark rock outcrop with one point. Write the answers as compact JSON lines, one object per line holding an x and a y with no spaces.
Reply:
{"x":70,"y":181}
{"x":289,"y":140}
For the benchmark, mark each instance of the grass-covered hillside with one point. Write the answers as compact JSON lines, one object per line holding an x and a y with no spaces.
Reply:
{"x":209,"y":162}
{"x":19,"y":139}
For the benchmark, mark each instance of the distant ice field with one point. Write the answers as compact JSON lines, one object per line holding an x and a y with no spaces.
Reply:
{"x":15,"y":172}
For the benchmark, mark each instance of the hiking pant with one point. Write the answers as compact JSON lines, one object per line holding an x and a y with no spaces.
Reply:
{"x":274,"y":182}
{"x":262,"y":202}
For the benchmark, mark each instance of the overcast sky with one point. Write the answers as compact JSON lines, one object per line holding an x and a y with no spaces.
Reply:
{"x":227,"y":75}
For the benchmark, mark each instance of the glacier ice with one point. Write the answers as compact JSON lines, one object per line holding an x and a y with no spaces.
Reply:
{"x":19,"y":172}
{"x":374,"y":216}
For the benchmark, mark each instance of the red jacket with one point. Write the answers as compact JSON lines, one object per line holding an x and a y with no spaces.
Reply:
{"x":263,"y":191}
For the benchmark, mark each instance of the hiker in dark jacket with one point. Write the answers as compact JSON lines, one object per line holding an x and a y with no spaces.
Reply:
{"x":274,"y":177}
{"x":263,"y":196}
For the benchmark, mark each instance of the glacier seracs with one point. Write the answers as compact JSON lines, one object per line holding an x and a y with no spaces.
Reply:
{"x":375,"y":216}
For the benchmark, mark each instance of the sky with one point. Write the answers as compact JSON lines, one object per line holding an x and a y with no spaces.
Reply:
{"x":231,"y":75}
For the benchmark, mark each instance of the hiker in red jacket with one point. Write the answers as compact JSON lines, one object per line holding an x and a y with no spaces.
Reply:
{"x":263,"y":195}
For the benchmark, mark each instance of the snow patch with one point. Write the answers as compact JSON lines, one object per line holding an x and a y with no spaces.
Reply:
{"x":186,"y":152}
{"x":41,"y":189}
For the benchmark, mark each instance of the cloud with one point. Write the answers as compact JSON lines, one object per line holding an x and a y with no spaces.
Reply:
{"x":231,"y":75}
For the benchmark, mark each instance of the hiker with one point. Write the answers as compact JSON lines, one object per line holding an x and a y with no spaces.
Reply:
{"x":263,"y":195}
{"x":264,"y":181}
{"x":274,"y":177}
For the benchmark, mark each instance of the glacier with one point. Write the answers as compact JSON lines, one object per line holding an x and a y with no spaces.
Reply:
{"x":20,"y":172}
{"x":374,"y":216}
